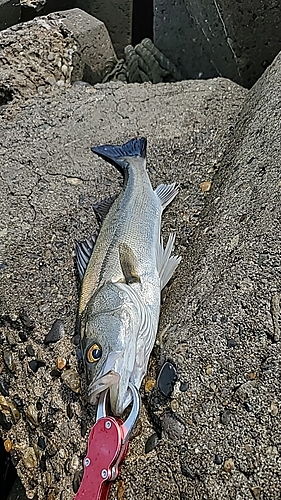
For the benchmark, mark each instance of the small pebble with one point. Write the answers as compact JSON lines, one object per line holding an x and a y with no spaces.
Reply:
{"x":27,"y":321}
{"x":149,"y":384}
{"x":74,"y":181}
{"x":151,"y":443}
{"x":61,"y":363}
{"x":231,"y":343}
{"x":33,"y":365}
{"x":274,"y":409}
{"x":56,"y":333}
{"x":41,"y":443}
{"x":29,"y":350}
{"x":51,"y":56}
{"x":205,"y":186}
{"x":166,"y":379}
{"x":218,"y":460}
{"x":29,"y":458}
{"x":23,"y":336}
{"x":256,"y":491}
{"x":72,"y":380}
{"x":69,"y":411}
{"x":18,"y":401}
{"x":252,"y":375}
{"x":209,"y":370}
{"x":39,"y":405}
{"x":4,"y":387}
{"x":51,"y":450}
{"x":64,"y":69}
{"x":21,"y":354}
{"x":51,"y":80}
{"x":248,"y":407}
{"x":184,"y":386}
{"x":187,"y":472}
{"x":174,"y":405}
{"x":32,"y":415}
{"x":228,"y":465}
{"x":48,"y":479}
{"x":43,"y":463}
{"x":8,"y":445}
{"x":12,"y":338}
{"x":172,"y":428}
{"x":226,"y":417}
{"x":80,"y":83}
{"x":9,"y":360}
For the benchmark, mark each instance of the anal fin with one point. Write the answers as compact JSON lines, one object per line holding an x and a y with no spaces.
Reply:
{"x":166,"y":264}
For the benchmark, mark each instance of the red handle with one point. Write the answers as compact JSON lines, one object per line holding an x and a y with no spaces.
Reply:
{"x":104,"y":454}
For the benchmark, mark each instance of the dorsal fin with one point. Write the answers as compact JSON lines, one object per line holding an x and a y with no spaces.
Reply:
{"x":101,"y":208}
{"x":128,"y":264}
{"x":84,"y":251}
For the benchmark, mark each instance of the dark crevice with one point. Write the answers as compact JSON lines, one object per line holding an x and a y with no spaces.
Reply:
{"x":142,"y":25}
{"x":7,"y":472}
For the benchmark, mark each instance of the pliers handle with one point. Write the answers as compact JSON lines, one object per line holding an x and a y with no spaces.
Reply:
{"x":107,"y":447}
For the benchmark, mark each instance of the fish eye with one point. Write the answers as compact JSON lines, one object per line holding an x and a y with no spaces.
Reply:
{"x":94,"y":353}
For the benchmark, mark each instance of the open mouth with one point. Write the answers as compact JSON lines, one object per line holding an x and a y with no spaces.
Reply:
{"x":101,"y":384}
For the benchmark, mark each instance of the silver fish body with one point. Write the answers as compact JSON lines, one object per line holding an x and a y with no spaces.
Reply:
{"x":122,"y":277}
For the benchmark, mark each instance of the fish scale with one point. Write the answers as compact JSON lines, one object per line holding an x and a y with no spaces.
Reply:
{"x":128,"y":267}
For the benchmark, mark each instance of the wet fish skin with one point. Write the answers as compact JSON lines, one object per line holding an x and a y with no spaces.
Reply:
{"x":122,"y":279}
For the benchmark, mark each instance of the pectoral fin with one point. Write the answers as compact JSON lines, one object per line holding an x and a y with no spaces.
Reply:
{"x":128,"y":264}
{"x":101,"y":208}
{"x":84,"y":251}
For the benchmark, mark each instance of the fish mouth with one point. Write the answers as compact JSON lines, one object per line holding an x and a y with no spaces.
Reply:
{"x":107,"y":381}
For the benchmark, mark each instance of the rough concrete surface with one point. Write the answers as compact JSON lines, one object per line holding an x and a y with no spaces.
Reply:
{"x":219,"y":433}
{"x":51,"y":51}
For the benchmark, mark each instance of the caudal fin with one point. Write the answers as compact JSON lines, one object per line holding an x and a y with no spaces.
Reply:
{"x":115,"y":155}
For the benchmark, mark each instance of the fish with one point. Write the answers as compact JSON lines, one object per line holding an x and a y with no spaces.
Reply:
{"x":123,"y":269}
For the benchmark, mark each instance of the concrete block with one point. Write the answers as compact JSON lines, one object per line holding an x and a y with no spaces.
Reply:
{"x":204,"y":39}
{"x":10,"y":13}
{"x":93,"y":42}
{"x":117,"y":17}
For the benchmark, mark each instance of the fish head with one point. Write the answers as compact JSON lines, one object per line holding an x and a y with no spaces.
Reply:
{"x":109,"y":340}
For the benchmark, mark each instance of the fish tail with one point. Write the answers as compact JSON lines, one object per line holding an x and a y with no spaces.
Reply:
{"x":116,"y":155}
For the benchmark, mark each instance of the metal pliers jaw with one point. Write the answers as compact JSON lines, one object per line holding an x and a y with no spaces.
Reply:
{"x":107,"y":447}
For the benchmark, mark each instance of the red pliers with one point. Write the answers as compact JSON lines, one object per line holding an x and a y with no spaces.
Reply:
{"x":107,"y":447}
